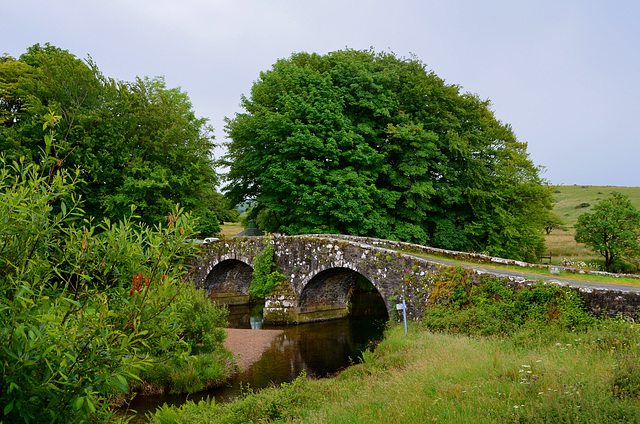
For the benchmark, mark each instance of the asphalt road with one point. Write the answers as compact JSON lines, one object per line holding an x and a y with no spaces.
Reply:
{"x":532,"y":276}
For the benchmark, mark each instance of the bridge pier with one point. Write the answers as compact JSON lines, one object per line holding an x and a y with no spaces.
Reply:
{"x":285,"y":309}
{"x":230,"y":299}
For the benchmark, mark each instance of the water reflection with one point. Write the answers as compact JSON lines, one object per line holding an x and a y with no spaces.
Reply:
{"x":319,"y":349}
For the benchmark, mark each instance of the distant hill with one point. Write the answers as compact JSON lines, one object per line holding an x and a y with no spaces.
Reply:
{"x":572,"y":201}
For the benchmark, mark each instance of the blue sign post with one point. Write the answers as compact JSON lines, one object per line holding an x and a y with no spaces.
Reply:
{"x":403,"y":307}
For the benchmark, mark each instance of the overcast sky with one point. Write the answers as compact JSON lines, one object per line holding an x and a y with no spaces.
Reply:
{"x":564,"y":74}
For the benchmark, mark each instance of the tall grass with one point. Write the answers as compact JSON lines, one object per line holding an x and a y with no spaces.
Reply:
{"x":463,"y":379}
{"x":561,"y":244}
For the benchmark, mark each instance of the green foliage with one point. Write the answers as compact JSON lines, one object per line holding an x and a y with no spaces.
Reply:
{"x":185,"y":374}
{"x":553,"y":222}
{"x":203,"y":321}
{"x":269,"y":405}
{"x":80,"y":309}
{"x":265,"y":276}
{"x":492,"y":308}
{"x":364,"y":143}
{"x":136,"y":143}
{"x":612,"y":230}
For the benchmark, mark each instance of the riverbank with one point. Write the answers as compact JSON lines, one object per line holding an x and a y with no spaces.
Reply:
{"x":248,"y":345}
{"x":435,"y":377}
{"x":489,"y":356}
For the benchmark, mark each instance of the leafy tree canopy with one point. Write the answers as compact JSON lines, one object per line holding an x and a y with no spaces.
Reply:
{"x":366,"y":143}
{"x":612,"y":229}
{"x":135,"y":143}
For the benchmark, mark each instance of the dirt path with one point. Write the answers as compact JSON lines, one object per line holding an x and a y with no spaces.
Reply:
{"x":249,"y":345}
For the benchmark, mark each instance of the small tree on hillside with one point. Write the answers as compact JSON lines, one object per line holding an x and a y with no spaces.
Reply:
{"x":553,"y":222}
{"x":612,"y":229}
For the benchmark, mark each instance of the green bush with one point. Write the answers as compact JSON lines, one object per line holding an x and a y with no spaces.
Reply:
{"x":202,"y":321}
{"x":492,"y":308}
{"x":265,"y":277}
{"x":623,"y":267}
{"x":201,"y":333}
{"x":80,"y":305}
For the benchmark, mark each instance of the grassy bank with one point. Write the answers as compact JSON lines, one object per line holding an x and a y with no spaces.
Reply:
{"x":433,"y":377}
{"x":485,"y":355}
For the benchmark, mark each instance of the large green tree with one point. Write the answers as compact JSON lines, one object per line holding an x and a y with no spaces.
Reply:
{"x":136,"y":143}
{"x":367,"y":143}
{"x":612,"y":229}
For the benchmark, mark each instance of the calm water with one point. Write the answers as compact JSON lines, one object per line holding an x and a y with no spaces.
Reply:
{"x":319,"y":349}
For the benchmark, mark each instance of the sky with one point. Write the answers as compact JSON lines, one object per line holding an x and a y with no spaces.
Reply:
{"x":563,"y":73}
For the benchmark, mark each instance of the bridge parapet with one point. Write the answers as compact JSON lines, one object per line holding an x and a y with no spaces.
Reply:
{"x":399,"y":246}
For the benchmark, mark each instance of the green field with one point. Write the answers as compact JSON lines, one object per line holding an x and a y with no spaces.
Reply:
{"x":571,"y":202}
{"x":230,"y":229}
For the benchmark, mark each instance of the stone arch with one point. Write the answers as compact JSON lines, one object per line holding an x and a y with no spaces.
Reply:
{"x":228,"y":282}
{"x":330,"y":287}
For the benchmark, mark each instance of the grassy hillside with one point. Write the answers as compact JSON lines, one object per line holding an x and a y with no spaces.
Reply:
{"x":571,"y":202}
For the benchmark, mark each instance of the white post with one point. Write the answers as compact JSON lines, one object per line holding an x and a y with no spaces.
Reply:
{"x":403,"y":307}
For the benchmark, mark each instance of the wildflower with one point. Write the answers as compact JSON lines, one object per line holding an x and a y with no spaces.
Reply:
{"x":137,"y":283}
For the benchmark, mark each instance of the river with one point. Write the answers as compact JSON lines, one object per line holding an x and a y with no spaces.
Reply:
{"x":319,"y":349}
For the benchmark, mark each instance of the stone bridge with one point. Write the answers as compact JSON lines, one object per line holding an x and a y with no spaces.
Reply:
{"x":321,"y":271}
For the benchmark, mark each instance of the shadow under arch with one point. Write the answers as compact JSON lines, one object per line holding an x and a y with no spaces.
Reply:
{"x":229,"y":281}
{"x":342,"y":288}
